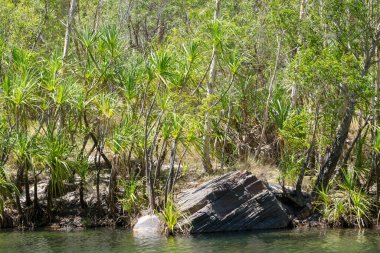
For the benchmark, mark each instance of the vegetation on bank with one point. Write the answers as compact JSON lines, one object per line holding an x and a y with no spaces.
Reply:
{"x":139,"y":88}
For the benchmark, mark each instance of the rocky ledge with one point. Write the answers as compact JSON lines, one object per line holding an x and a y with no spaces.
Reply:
{"x":233,"y":202}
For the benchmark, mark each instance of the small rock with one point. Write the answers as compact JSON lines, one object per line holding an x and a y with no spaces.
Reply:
{"x":148,"y":225}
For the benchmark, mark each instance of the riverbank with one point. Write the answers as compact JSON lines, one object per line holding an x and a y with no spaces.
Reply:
{"x":70,"y":214}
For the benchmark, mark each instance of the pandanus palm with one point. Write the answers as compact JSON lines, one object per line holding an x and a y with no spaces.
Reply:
{"x":24,"y":151}
{"x":54,"y":153}
{"x":107,"y":107}
{"x":7,"y":190}
{"x":81,"y":167}
{"x":19,"y":94}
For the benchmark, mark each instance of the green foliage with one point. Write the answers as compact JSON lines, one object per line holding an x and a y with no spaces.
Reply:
{"x":136,"y":86}
{"x":279,"y":109}
{"x":376,"y":143}
{"x":81,"y":167}
{"x":130,"y":198}
{"x":349,"y":205}
{"x":290,"y":166}
{"x":295,"y":131}
{"x":170,"y":215}
{"x":7,"y":190}
{"x":54,"y":153}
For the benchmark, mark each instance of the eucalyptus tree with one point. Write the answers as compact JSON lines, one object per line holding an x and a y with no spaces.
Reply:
{"x":69,"y":25}
{"x":210,"y":86}
{"x":356,"y":36}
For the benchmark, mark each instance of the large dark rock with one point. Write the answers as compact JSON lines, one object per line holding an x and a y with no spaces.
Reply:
{"x":235,"y":201}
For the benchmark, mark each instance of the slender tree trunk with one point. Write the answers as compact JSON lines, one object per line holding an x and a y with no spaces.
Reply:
{"x":68,"y":28}
{"x":81,"y":194}
{"x":170,"y":181}
{"x":294,"y":92}
{"x":112,"y":185}
{"x":19,"y":179}
{"x":97,"y":165}
{"x":308,"y":157}
{"x":28,"y":200}
{"x":160,"y":161}
{"x":269,"y":98}
{"x":148,"y":154}
{"x":376,"y":120}
{"x":35,"y":194}
{"x":328,"y":168}
{"x":49,"y":200}
{"x":225,"y":135}
{"x":206,"y":159}
{"x":150,"y":186}
{"x":97,"y":16}
{"x":161,"y":22}
{"x":42,"y":23}
{"x":344,"y":164}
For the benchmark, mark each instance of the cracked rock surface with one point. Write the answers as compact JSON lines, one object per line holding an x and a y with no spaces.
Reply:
{"x":233,"y":202}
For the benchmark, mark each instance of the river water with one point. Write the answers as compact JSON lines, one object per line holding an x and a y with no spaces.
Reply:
{"x":107,"y":240}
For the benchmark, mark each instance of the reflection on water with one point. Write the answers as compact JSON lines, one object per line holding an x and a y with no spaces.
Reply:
{"x":105,"y":240}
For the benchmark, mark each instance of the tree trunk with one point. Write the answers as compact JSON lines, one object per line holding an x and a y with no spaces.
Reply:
{"x":97,"y":16}
{"x":308,"y":157}
{"x":225,"y":135}
{"x":49,"y":200}
{"x":294,"y":92}
{"x":347,"y":155}
{"x":97,"y":165}
{"x":81,"y":195}
{"x":206,"y":159}
{"x":28,"y":200}
{"x":19,"y":178}
{"x":376,"y":120}
{"x":269,"y":98}
{"x":328,"y":168}
{"x":150,"y":188}
{"x":112,"y":185}
{"x":161,"y":22}
{"x":68,"y":28}
{"x":170,"y":180}
{"x":35,"y":199}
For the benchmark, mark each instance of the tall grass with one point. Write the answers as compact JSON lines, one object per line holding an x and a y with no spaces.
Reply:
{"x":170,"y":215}
{"x":346,"y":206}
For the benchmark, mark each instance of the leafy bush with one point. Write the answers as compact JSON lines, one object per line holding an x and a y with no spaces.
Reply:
{"x":295,"y":131}
{"x":280,"y":108}
{"x":129,"y":200}
{"x":290,"y":166}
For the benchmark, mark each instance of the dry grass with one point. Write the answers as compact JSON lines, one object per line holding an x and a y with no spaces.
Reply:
{"x":266,"y":172}
{"x":194,"y":175}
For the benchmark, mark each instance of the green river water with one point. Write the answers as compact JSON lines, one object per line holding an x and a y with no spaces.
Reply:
{"x":107,"y":240}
